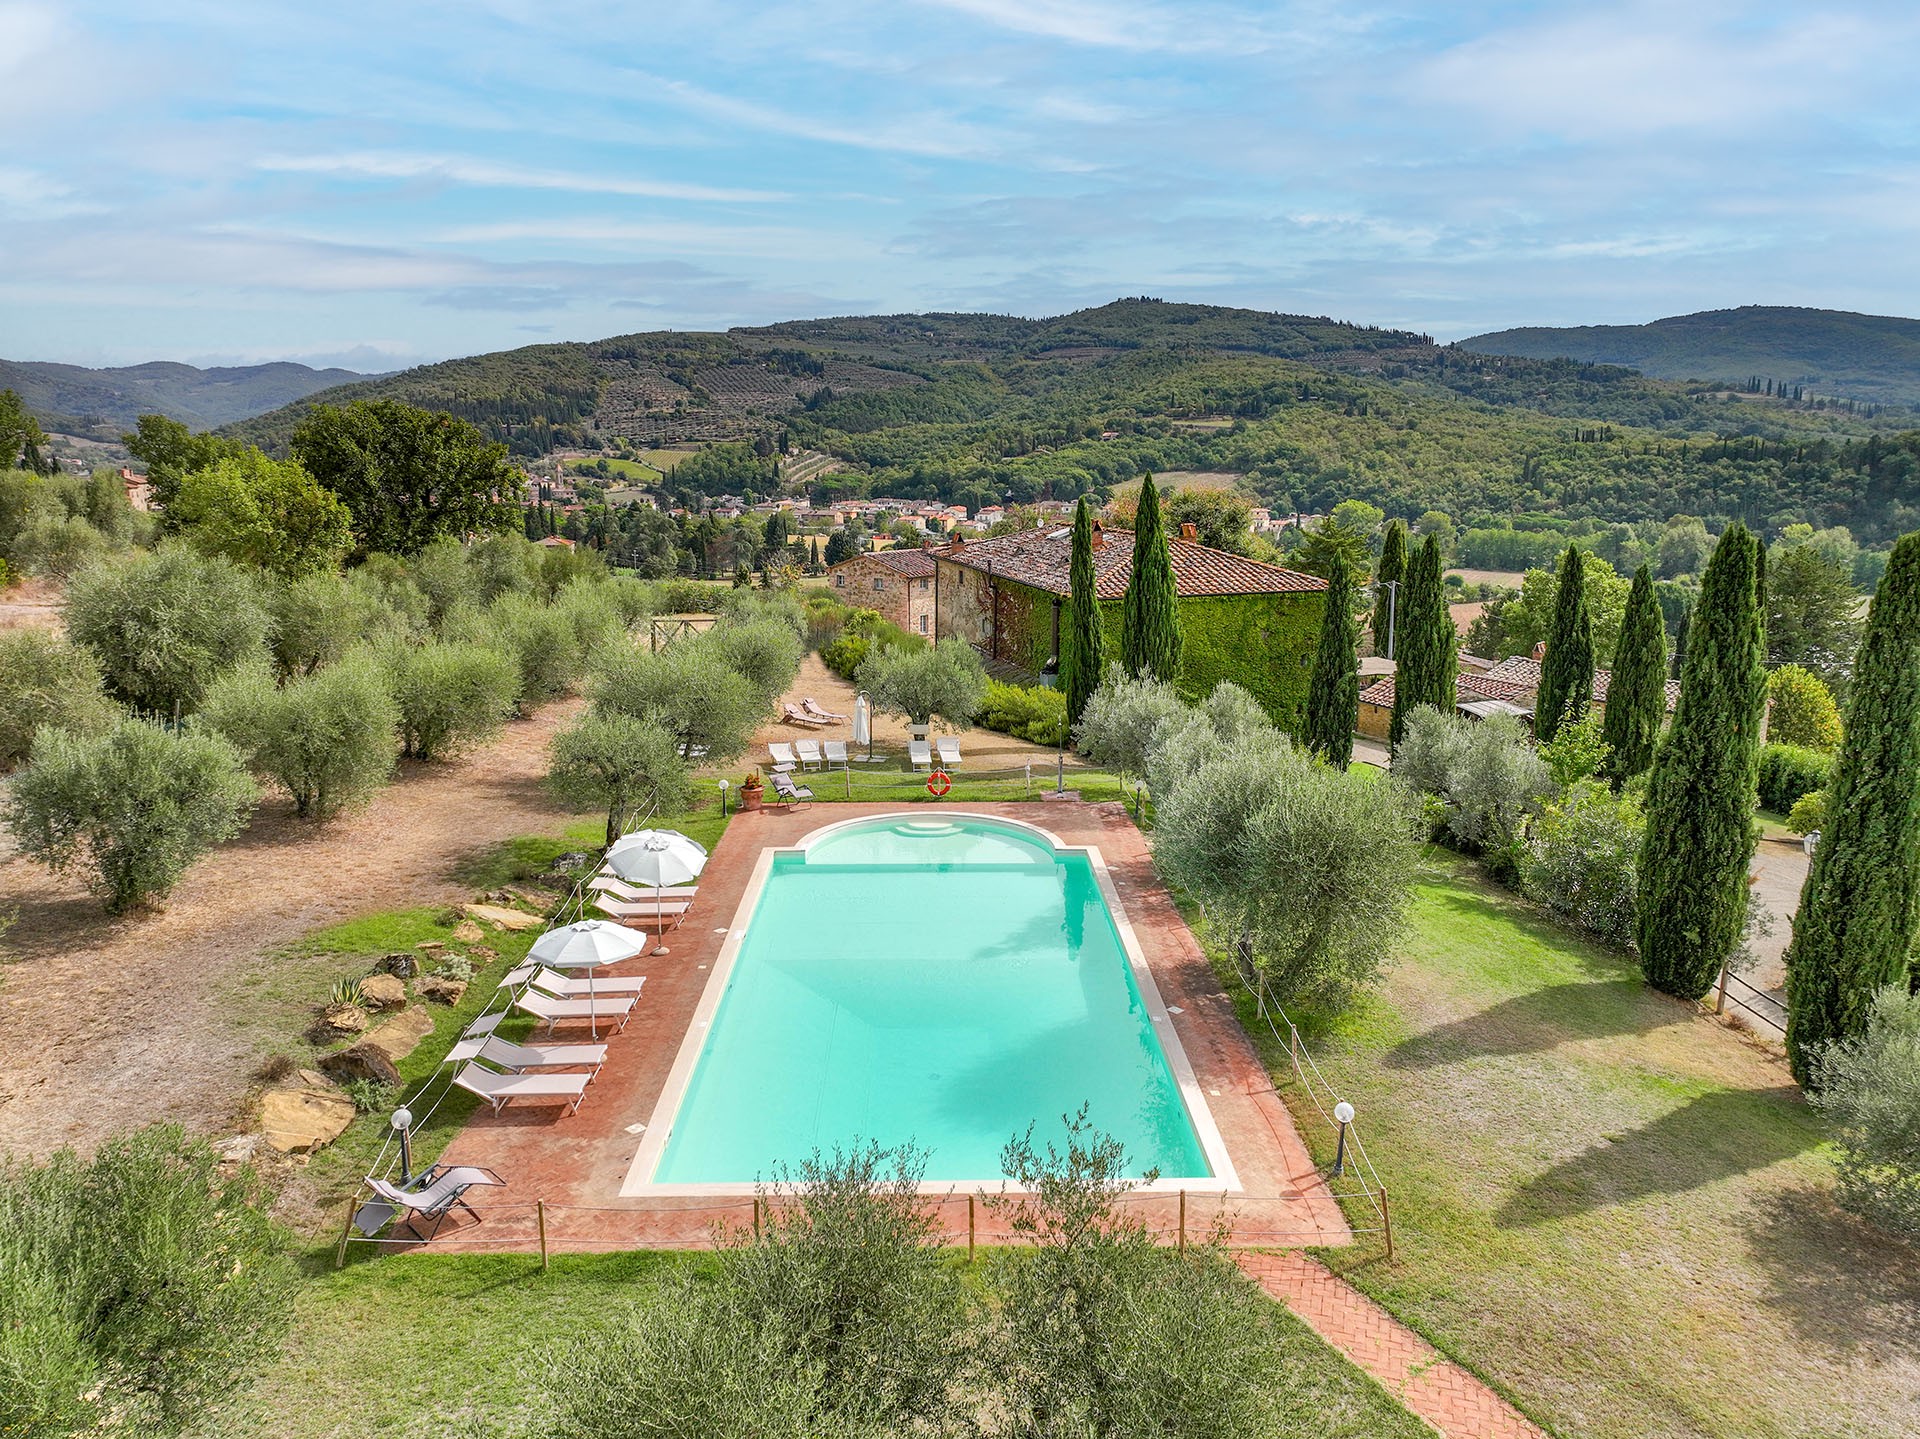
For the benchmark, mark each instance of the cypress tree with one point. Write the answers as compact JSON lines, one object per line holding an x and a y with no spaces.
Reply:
{"x":1390,"y":570}
{"x":1700,"y":831}
{"x":1855,"y":929}
{"x":1083,"y":644}
{"x":1566,"y":674}
{"x":1151,"y":638}
{"x":1637,"y":695}
{"x":1426,"y":661}
{"x":1333,"y":703}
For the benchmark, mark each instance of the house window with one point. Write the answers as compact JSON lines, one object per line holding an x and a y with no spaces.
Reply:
{"x":840,"y":580}
{"x":924,"y":584}
{"x":879,"y":585}
{"x":923,"y":624}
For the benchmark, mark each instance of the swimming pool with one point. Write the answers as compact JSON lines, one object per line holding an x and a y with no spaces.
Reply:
{"x":945,"y":982}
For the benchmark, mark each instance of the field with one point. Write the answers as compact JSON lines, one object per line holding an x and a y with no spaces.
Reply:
{"x":1184,"y":480}
{"x":1611,"y":1208}
{"x":624,"y":469}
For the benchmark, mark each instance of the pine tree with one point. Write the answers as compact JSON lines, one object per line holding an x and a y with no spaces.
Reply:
{"x":1333,"y":703}
{"x":1427,"y":641}
{"x":1389,"y":572}
{"x":1700,"y":832}
{"x":1856,"y":925}
{"x":1150,"y":641}
{"x":1637,"y":695}
{"x":1566,"y":674}
{"x":1083,"y":644}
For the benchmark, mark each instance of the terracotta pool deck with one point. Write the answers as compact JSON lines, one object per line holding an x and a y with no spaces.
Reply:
{"x":572,"y":1166}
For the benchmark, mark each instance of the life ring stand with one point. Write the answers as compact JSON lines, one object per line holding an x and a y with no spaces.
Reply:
{"x":938,"y":784}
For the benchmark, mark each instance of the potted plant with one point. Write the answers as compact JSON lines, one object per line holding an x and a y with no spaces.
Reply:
{"x":751,"y":790}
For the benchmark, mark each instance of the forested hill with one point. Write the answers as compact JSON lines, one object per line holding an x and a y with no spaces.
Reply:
{"x":102,"y":403}
{"x":1830,"y":352}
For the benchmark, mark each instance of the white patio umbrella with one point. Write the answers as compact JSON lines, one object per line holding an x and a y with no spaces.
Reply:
{"x":658,"y":857}
{"x":863,"y":723}
{"x":587,"y":945}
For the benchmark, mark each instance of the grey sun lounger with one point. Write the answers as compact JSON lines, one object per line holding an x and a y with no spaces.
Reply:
{"x":809,"y":752}
{"x":432,"y":1195}
{"x":505,"y":1054}
{"x":642,"y":909}
{"x":920,"y":754}
{"x":499,"y":1090}
{"x":635,"y":893}
{"x":836,"y":753}
{"x":546,"y":1007}
{"x":800,"y":717}
{"x":789,"y":792}
{"x":949,"y":750}
{"x":782,"y":754}
{"x":819,"y":711}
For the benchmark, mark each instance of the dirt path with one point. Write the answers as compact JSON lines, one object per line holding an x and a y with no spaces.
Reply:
{"x":106,"y":1024}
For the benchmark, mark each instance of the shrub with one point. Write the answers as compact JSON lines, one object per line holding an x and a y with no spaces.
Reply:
{"x":1809,"y":812}
{"x":327,"y":739}
{"x":1484,"y":775}
{"x":58,"y":547}
{"x":1580,"y":862}
{"x":1868,"y":1088}
{"x":1037,"y":713}
{"x":845,"y":655}
{"x":1788,"y":772}
{"x":450,"y":695}
{"x":139,"y":1286}
{"x":1801,"y":710}
{"x":947,"y":680}
{"x":1122,"y":719}
{"x":165,"y":625}
{"x":44,"y":680}
{"x":132,"y":807}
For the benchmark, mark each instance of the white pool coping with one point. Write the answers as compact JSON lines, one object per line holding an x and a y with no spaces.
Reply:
{"x":1225,"y":1178}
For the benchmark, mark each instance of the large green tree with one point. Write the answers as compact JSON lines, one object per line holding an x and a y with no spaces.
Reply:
{"x":21,"y":437}
{"x":1566,"y":673}
{"x":1083,"y":643}
{"x":409,"y":476}
{"x":1811,"y":609}
{"x":1700,"y":832}
{"x":170,"y":451}
{"x":1637,"y":695}
{"x":1427,"y":657}
{"x":1333,"y":701}
{"x":1150,"y":642}
{"x":1388,"y":575}
{"x":263,"y":512}
{"x":1855,"y":930}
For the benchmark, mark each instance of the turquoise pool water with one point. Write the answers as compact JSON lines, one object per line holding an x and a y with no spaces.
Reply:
{"x":940,"y":982}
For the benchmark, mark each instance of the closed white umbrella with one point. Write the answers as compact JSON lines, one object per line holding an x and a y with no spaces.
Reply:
{"x":863,"y":723}
{"x":587,"y":945}
{"x":658,"y":857}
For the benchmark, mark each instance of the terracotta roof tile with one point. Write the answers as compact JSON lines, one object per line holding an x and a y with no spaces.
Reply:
{"x":1465,"y":687}
{"x":1040,"y":558}
{"x":913,"y":563}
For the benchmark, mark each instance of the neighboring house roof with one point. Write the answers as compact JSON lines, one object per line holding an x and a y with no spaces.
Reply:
{"x":1520,"y":669}
{"x":1467,"y":689}
{"x":1041,"y":558}
{"x":914,"y":563}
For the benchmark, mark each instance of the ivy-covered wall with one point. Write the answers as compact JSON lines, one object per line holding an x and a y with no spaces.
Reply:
{"x":1263,"y":643}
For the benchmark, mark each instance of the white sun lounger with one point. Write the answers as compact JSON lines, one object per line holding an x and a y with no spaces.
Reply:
{"x":920,"y":754}
{"x":819,"y":711}
{"x":809,"y":752}
{"x":565,"y":988}
{"x":782,"y":752}
{"x":800,"y":717}
{"x":673,"y":909}
{"x":836,"y":753}
{"x":505,"y":1054}
{"x":617,"y":887}
{"x":949,"y":749}
{"x":434,"y":1194}
{"x":498,"y":1089}
{"x":546,"y":1007}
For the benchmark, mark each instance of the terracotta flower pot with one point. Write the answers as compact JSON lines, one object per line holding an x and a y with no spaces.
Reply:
{"x":750,"y":795}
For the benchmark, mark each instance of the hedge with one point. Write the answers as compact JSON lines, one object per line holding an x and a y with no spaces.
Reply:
{"x":1787,"y":772}
{"x":1037,"y":713}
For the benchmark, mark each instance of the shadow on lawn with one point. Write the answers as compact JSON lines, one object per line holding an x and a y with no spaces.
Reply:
{"x":1841,"y":1284}
{"x":1538,"y":1020}
{"x":1714,"y":1137}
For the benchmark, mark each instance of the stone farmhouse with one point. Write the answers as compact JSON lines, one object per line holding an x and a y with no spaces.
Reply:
{"x":898,"y":583}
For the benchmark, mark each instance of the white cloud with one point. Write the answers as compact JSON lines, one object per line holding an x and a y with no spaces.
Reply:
{"x":1180,"y":29}
{"x":933,"y":135}
{"x":386,"y":165}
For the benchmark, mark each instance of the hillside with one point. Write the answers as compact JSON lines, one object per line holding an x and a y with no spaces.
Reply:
{"x":102,"y":403}
{"x":1832,"y":352}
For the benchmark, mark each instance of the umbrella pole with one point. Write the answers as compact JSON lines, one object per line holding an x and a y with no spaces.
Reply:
{"x":659,"y":920}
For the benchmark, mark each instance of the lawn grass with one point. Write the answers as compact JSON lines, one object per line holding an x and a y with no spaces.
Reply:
{"x":1614,"y":1210}
{"x":626,"y":469}
{"x":416,"y":1346}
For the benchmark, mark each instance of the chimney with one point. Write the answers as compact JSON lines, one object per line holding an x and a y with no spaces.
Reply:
{"x":957,"y":544}
{"x":1189,"y":532}
{"x":1539,"y":651}
{"x":1099,"y":534}
{"x":926,"y":542}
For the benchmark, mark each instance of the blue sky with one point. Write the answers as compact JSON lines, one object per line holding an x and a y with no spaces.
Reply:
{"x":376,"y":184}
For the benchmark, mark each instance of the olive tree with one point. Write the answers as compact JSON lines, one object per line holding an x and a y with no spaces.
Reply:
{"x":689,"y":690}
{"x":130,"y":808}
{"x":327,"y":739}
{"x":624,"y":765}
{"x":1485,"y":776}
{"x":317,"y":618}
{"x":164,"y":625}
{"x":140,"y":1286}
{"x":46,"y":680}
{"x":1868,"y":1087}
{"x":451,"y":694}
{"x":1123,"y":718}
{"x":947,"y":680}
{"x":763,"y":649}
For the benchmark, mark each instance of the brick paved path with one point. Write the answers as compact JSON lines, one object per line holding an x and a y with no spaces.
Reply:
{"x":1436,"y":1389}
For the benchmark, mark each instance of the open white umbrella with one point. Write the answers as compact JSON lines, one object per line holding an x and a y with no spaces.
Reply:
{"x":658,"y":857}
{"x":587,"y":945}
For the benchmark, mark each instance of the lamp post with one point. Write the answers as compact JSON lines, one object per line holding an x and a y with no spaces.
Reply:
{"x":1344,"y":1113}
{"x":1393,"y":609}
{"x":401,"y":1122}
{"x":1050,"y":679}
{"x":723,"y":799}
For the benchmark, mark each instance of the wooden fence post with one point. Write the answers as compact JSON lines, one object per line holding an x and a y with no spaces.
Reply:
{"x":969,"y":1229}
{"x":340,"y":1254}
{"x":1386,"y":1218}
{"x":756,"y":1216}
{"x":1183,"y":1221}
{"x":540,"y":1214}
{"x":1720,"y":999}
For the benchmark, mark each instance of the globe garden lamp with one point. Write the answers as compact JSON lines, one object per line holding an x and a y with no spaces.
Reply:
{"x":1343,"y":1112}
{"x":402,"y":1123}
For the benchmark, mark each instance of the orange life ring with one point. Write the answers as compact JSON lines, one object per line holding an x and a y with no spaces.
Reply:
{"x":938,"y":784}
